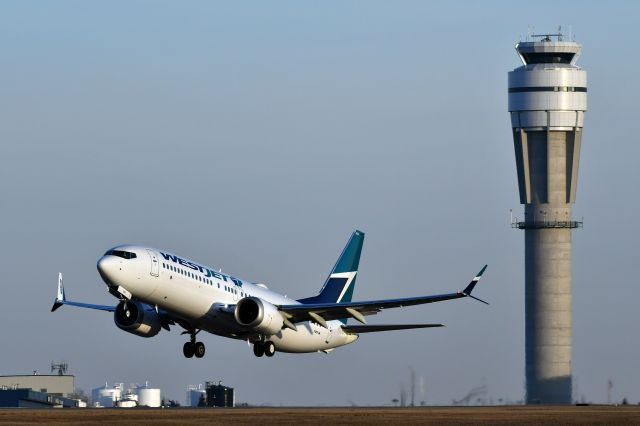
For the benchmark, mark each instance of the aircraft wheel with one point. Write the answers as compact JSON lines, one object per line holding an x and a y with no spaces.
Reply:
{"x":188,"y":350}
{"x":199,"y":349}
{"x":258,"y":349}
{"x":269,"y":349}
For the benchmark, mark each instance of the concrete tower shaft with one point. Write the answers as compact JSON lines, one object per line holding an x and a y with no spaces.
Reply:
{"x":547,"y":102}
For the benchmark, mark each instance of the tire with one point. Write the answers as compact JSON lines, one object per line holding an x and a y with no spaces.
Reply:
{"x":188,"y":350}
{"x":269,"y":349}
{"x":258,"y":349}
{"x":199,"y":349}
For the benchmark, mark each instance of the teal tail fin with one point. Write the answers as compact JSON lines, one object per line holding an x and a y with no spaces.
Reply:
{"x":338,"y":288}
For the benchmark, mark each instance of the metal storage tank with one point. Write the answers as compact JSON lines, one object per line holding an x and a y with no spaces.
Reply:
{"x":106,"y":396}
{"x":193,"y":395}
{"x":130,"y":395}
{"x":126,"y":403}
{"x":149,"y":397}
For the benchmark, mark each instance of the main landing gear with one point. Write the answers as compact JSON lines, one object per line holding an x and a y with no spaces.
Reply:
{"x":264,"y":348}
{"x":192,"y":348}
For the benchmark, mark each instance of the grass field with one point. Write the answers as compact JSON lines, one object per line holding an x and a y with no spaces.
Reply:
{"x":521,"y":415}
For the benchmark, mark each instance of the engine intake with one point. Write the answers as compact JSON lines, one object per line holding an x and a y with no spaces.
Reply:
{"x":258,"y":315}
{"x":137,"y":318}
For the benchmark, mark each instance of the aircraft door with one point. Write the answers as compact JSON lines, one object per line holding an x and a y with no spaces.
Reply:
{"x":155,"y":264}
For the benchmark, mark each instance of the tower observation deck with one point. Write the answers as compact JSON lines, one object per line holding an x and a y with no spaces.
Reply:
{"x":547,"y":103}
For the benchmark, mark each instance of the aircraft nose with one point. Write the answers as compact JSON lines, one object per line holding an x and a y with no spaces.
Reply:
{"x":107,"y":265}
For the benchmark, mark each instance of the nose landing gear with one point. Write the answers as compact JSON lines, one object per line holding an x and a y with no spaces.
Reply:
{"x":192,"y":347}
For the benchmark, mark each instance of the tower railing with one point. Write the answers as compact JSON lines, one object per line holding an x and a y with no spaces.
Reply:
{"x":543,"y":224}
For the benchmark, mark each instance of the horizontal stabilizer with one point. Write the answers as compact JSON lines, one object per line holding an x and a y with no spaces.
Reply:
{"x":387,"y":327}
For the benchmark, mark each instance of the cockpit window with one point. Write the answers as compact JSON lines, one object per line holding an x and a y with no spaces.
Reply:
{"x":121,"y":253}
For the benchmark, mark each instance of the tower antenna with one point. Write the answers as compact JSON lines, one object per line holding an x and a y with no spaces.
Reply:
{"x":61,"y":368}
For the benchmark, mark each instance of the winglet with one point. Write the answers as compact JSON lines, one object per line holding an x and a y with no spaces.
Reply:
{"x":467,"y":291}
{"x":60,"y":297}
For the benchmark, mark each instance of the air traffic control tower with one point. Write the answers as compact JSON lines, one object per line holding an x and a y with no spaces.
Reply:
{"x":547,"y":103}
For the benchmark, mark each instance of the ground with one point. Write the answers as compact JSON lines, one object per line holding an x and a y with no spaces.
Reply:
{"x":521,"y":415}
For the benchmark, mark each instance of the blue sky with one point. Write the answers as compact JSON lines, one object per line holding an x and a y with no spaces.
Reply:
{"x":256,"y":136}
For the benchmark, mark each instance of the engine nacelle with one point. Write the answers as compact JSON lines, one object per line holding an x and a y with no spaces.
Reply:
{"x":137,"y":318}
{"x":258,"y":315}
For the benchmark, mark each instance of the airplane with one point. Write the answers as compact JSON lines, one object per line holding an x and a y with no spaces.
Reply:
{"x":157,"y":289}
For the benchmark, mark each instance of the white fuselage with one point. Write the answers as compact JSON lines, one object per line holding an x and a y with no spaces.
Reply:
{"x":204,"y":298}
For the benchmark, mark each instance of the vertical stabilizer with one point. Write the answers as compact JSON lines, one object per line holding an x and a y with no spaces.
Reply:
{"x":338,"y":288}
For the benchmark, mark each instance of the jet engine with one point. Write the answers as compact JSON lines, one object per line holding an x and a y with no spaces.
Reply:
{"x":137,"y":318}
{"x":258,"y":315}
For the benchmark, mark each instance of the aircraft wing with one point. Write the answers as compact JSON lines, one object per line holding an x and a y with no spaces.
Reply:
{"x":62,"y":300}
{"x":321,"y":312}
{"x":165,"y":319}
{"x":107,"y":308}
{"x":357,"y":329}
